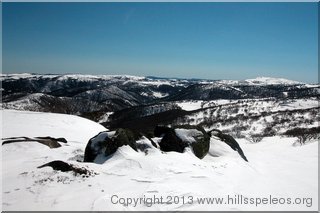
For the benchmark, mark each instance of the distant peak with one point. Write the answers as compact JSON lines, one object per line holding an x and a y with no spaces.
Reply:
{"x":271,"y":81}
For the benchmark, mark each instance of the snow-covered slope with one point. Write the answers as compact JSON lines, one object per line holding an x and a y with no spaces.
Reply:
{"x":262,"y":81}
{"x":275,"y":168}
{"x":271,"y":81}
{"x":31,"y":124}
{"x":92,"y":96}
{"x":252,"y":116}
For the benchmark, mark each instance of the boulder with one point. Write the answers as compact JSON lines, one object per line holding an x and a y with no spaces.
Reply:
{"x":171,"y":142}
{"x":228,"y":139}
{"x":179,"y":137}
{"x":58,"y":165}
{"x":62,"y":166}
{"x":126,"y":137}
{"x":107,"y":143}
{"x":99,"y":144}
{"x":48,"y":141}
{"x":160,"y":131}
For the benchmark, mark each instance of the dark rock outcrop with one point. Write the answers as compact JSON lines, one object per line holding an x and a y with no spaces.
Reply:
{"x":58,"y":165}
{"x":126,"y":137}
{"x":228,"y":139}
{"x":160,"y":131}
{"x":48,"y":141}
{"x":179,"y":137}
{"x":62,"y":140}
{"x":176,"y":138}
{"x":97,"y":145}
{"x":66,"y":167}
{"x":171,"y":142}
{"x":106,"y":143}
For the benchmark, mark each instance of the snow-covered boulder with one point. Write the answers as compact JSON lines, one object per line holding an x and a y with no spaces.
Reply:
{"x":229,"y":140}
{"x":97,"y":145}
{"x":179,"y":137}
{"x":107,"y":143}
{"x":48,"y":141}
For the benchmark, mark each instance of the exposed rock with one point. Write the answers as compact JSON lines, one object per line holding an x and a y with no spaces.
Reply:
{"x":175,"y":139}
{"x":48,"y":141}
{"x":106,"y":143}
{"x":126,"y":137}
{"x":180,"y":137}
{"x":228,"y":139}
{"x":171,"y":142}
{"x":160,"y":131}
{"x":58,"y":165}
{"x":66,"y":167}
{"x":62,"y":140}
{"x":99,"y":144}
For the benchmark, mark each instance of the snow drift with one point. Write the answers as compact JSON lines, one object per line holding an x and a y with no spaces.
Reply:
{"x":276,"y":168}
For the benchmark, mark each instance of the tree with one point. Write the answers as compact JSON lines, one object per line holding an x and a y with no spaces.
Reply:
{"x":255,"y":138}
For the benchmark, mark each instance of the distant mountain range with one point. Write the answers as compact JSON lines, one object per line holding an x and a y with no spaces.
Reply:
{"x":134,"y":101}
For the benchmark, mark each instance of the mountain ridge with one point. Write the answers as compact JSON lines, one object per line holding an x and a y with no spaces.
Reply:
{"x":141,"y":102}
{"x":261,"y":79}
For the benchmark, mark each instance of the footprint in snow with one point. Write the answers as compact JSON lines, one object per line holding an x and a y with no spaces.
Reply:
{"x":200,"y":176}
{"x":177,"y":172}
{"x":24,"y":173}
{"x":142,"y":181}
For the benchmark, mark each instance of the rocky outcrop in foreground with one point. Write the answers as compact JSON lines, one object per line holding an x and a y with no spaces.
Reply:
{"x":179,"y":137}
{"x":228,"y":139}
{"x":106,"y":143}
{"x":62,"y":166}
{"x":176,"y":139}
{"x":48,"y":141}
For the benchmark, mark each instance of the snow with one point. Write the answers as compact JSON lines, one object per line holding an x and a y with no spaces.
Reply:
{"x":25,"y":76}
{"x":155,"y":94}
{"x":270,"y":81}
{"x":24,"y":103}
{"x":187,"y":134}
{"x":190,"y":105}
{"x":32,"y":124}
{"x":100,"y":137}
{"x":298,"y":104}
{"x":155,"y":82}
{"x":276,"y":168}
{"x":82,"y":77}
{"x":159,"y":94}
{"x":105,"y":117}
{"x":260,"y":81}
{"x":300,"y":111}
{"x":158,"y":82}
{"x":144,"y":140}
{"x":194,"y":105}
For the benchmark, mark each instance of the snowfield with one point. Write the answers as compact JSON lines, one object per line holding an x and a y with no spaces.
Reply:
{"x":260,"y":104}
{"x":271,"y":81}
{"x":128,"y":179}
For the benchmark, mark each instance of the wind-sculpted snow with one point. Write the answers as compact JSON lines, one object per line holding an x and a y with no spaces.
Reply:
{"x":276,"y":168}
{"x":188,"y":134}
{"x":274,"y":121}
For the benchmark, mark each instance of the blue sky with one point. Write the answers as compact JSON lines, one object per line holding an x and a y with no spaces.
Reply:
{"x":187,"y":40}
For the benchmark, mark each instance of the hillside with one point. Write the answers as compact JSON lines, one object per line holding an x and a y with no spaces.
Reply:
{"x":276,"y":168}
{"x":144,"y":102}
